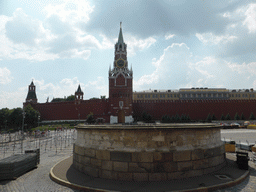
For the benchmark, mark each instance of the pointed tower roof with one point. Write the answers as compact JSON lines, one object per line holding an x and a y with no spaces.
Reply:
{"x":120,"y":38}
{"x":32,"y":83}
{"x":79,"y":90}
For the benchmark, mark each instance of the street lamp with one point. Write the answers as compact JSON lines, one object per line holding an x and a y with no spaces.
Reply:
{"x":38,"y":120}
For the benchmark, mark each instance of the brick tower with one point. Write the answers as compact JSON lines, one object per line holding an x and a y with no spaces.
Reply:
{"x":31,"y":96}
{"x":120,"y":85}
{"x":79,"y":95}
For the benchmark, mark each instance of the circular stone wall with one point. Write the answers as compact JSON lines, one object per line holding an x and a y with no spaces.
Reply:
{"x":148,"y":152}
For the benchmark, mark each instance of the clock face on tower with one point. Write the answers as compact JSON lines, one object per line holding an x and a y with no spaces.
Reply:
{"x":120,"y":63}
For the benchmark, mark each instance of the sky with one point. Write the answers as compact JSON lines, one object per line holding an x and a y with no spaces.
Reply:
{"x":172,"y":44}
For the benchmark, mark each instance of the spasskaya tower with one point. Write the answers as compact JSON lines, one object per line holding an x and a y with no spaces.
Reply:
{"x":120,"y":84}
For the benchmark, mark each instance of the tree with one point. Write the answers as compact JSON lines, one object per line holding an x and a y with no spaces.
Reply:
{"x":57,"y":100}
{"x":227,"y":117}
{"x":4,"y":114}
{"x":15,"y":118}
{"x":236,"y":117}
{"x":31,"y":116}
{"x":71,"y":98}
{"x":209,"y":118}
{"x":173,"y":119}
{"x":166,"y":119}
{"x":146,"y":117}
{"x":213,"y":117}
{"x":188,"y":118}
{"x":90,"y":119}
{"x":222,"y":117}
{"x":242,"y":116}
{"x":177,"y":118}
{"x":252,"y":116}
{"x":183,"y":118}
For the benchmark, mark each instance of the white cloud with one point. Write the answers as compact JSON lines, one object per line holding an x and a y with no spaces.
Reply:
{"x":250,"y":20}
{"x":177,"y":67}
{"x":23,"y":29}
{"x":134,"y":44}
{"x":171,"y":69}
{"x":5,"y":76}
{"x":13,"y":99}
{"x":169,"y":36}
{"x":68,"y":86}
{"x":209,"y":38}
{"x":71,"y":11}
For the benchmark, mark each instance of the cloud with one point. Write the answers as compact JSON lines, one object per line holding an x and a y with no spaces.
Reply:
{"x":23,"y":29}
{"x":5,"y":76}
{"x":209,"y":38}
{"x":169,"y":36}
{"x":68,"y":86}
{"x":250,"y":20}
{"x":16,"y":97}
{"x":134,"y":44}
{"x":238,"y":40}
{"x":177,"y":67}
{"x":183,"y":17}
{"x":171,"y":69}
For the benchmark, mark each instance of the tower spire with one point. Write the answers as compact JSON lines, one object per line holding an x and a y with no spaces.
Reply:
{"x":120,"y":38}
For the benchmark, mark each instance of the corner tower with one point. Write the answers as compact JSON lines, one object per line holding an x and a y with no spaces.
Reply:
{"x":31,"y":96}
{"x":120,"y":84}
{"x":79,"y":95}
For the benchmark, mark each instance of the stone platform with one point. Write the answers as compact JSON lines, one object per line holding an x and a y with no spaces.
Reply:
{"x":153,"y":152}
{"x":64,"y":173}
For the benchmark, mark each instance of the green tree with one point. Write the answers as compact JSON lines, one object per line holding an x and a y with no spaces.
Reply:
{"x":173,"y":119}
{"x":31,"y":116}
{"x":146,"y":117}
{"x":227,"y":117}
{"x":93,"y":98}
{"x":236,"y":117}
{"x":252,"y":116}
{"x":209,"y":118}
{"x":57,"y":100}
{"x":4,"y":114}
{"x":166,"y":119}
{"x":242,"y":116}
{"x":214,"y":117}
{"x":71,"y":98}
{"x":222,"y":117}
{"x":15,"y":118}
{"x":188,"y":118}
{"x":103,"y":96}
{"x":90,"y":119}
{"x":177,"y":118}
{"x":183,"y":118}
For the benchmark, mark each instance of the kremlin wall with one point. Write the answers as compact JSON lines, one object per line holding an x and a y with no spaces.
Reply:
{"x":124,"y":105}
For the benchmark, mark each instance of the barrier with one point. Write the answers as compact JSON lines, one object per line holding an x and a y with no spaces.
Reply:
{"x":16,"y":165}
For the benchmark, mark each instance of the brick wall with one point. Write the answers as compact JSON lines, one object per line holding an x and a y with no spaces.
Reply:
{"x":197,"y":110}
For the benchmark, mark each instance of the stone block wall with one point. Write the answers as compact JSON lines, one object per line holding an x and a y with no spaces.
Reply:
{"x":148,"y":154}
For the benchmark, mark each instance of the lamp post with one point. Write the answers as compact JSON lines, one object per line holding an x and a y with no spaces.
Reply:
{"x":22,"y":129}
{"x":38,"y":120}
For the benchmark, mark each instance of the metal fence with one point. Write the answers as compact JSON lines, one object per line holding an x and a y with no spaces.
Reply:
{"x":18,"y":143}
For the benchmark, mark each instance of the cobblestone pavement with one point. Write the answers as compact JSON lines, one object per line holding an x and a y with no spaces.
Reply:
{"x":39,"y":180}
{"x":53,"y":149}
